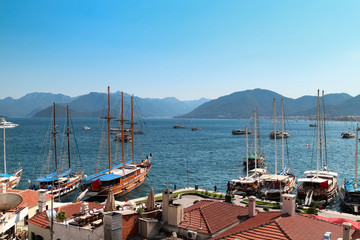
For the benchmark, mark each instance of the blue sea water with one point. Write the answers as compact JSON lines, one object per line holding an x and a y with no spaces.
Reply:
{"x":214,"y":155}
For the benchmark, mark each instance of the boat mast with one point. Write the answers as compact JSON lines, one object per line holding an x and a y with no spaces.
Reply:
{"x":4,"y":146}
{"x":54,"y":134}
{"x":122,"y":128}
{"x":275,"y":134}
{"x":282,"y":135}
{"x":317,"y":135}
{"x":108,"y":118}
{"x":356,"y":154}
{"x":247,"y":151}
{"x":68,"y":134}
{"x":322,"y":133}
{"x":255,"y":136}
{"x":132,"y":127}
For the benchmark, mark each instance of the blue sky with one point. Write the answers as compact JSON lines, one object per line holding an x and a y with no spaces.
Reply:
{"x":186,"y":49}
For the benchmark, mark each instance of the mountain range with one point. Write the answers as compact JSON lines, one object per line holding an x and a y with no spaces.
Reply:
{"x":93,"y":105}
{"x":236,"y":105}
{"x":241,"y":104}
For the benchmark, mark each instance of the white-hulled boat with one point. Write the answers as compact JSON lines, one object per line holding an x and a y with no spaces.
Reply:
{"x":318,"y":185}
{"x":11,"y":179}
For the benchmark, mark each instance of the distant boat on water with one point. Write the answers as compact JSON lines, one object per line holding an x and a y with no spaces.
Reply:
{"x":347,"y":135}
{"x":86,"y":128}
{"x":11,"y":180}
{"x":240,"y":132}
{"x":312,"y":125}
{"x":179,"y":126}
{"x":195,"y":129}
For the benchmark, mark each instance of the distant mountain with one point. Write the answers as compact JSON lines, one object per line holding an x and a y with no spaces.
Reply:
{"x":94,"y":105}
{"x":241,"y":104}
{"x":30,"y":103}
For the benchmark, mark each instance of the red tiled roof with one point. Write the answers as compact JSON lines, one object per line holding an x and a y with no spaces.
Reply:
{"x":279,"y":226}
{"x":302,"y":227}
{"x":257,"y":220}
{"x":212,"y":216}
{"x":41,"y":220}
{"x":268,"y":231}
{"x":30,"y":197}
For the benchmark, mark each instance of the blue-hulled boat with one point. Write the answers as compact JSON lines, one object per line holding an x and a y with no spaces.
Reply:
{"x":350,"y":190}
{"x":11,"y":180}
{"x":59,"y":183}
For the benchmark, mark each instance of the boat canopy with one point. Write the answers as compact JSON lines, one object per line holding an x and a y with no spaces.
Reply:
{"x":349,"y":186}
{"x":107,"y":177}
{"x":244,"y":180}
{"x":103,"y":172}
{"x":323,"y":173}
{"x":52,"y":176}
{"x":7,"y":175}
{"x":273,"y":177}
{"x":258,"y":170}
{"x":314,"y":180}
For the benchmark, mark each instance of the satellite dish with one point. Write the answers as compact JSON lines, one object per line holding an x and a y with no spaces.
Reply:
{"x":9,"y":200}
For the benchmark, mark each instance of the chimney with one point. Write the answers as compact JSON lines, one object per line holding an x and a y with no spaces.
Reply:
{"x":2,"y":188}
{"x":42,"y":200}
{"x":113,"y":225}
{"x":166,"y":202}
{"x":346,"y":231}
{"x":327,"y":236}
{"x":84,"y":208}
{"x":251,"y":206}
{"x":288,"y":204}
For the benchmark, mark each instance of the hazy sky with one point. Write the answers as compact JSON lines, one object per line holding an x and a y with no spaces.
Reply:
{"x":186,"y":48}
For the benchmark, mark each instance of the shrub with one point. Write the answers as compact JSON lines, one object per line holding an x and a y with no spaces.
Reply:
{"x":206,"y":193}
{"x":314,"y":204}
{"x":221,"y":196}
{"x":312,"y":210}
{"x":266,"y":209}
{"x":140,"y":210}
{"x":61,"y":216}
{"x":195,"y":201}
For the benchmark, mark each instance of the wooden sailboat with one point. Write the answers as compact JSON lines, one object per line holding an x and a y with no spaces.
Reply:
{"x":122,"y":178}
{"x":11,"y":180}
{"x":250,"y":183}
{"x":350,"y":191}
{"x":318,"y":185}
{"x":272,"y":186}
{"x":56,"y":183}
{"x":257,"y":158}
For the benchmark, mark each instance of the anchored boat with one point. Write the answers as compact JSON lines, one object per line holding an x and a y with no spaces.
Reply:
{"x":122,"y":178}
{"x":319,"y":185}
{"x":11,"y":180}
{"x":59,"y":183}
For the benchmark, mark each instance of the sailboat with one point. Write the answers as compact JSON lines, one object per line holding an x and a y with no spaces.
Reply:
{"x":350,"y":190}
{"x":121,"y":178}
{"x":56,"y":183}
{"x":250,"y":183}
{"x":321,"y":184}
{"x":256,"y":159}
{"x":11,"y":180}
{"x":272,"y":186}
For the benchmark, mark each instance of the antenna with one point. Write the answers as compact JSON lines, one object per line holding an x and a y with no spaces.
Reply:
{"x":187,"y":170}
